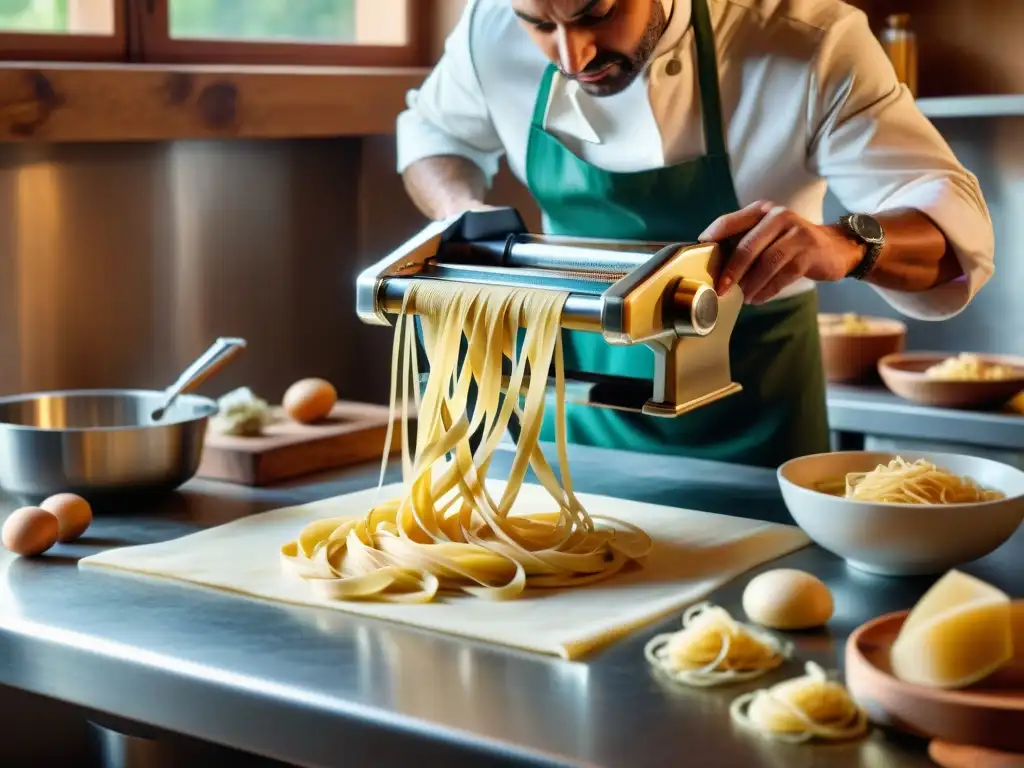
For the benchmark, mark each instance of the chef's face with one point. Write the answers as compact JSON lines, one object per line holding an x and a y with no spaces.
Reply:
{"x":602,"y":44}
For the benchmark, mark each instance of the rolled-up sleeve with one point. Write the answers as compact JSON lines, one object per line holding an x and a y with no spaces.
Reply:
{"x":448,"y":115}
{"x":879,"y":153}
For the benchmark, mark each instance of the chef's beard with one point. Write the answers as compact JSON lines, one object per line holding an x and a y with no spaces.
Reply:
{"x":628,"y":67}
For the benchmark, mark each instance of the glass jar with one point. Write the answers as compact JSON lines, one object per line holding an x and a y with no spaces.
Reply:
{"x":900,"y":44}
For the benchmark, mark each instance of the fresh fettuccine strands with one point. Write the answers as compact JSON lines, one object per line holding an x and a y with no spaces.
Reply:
{"x":446,"y":532}
{"x":918,"y":482}
{"x":714,"y":649}
{"x":802,"y":709}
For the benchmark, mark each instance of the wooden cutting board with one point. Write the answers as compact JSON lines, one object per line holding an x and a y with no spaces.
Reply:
{"x":353,"y":433}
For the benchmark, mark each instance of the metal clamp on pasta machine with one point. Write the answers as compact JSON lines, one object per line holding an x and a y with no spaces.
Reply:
{"x":660,"y":295}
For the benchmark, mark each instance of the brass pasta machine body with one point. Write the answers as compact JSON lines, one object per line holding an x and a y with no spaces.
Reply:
{"x":660,"y":295}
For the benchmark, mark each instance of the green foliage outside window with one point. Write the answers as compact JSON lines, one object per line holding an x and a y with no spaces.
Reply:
{"x":324,"y":21}
{"x":46,"y":16}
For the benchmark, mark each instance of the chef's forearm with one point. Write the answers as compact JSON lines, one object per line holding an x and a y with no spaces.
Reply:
{"x":445,"y":186}
{"x":916,"y":255}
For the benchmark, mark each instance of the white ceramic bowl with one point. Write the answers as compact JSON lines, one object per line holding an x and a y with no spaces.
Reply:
{"x":902,"y":539}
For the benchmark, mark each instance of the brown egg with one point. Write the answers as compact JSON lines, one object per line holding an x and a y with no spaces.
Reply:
{"x":310,"y":400}
{"x":30,"y":531}
{"x":73,"y":515}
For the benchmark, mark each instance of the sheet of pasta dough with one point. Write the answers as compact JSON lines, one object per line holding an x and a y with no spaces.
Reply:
{"x":694,"y":554}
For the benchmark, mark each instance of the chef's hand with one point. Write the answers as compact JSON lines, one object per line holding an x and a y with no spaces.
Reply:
{"x":777,"y":247}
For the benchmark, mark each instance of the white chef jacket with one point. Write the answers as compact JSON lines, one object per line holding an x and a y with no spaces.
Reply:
{"x":810,"y":102}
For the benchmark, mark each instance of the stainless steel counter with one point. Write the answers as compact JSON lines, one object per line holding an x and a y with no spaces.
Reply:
{"x":320,"y":688}
{"x":875,"y":411}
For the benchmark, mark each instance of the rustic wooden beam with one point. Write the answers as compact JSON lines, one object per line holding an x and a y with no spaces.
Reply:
{"x":113,"y":102}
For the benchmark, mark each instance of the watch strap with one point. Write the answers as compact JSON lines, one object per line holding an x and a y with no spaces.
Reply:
{"x":874,"y":250}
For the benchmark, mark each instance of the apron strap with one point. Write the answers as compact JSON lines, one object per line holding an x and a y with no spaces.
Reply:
{"x":540,"y":106}
{"x":707,"y":77}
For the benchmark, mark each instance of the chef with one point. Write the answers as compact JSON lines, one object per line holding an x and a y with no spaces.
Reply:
{"x":679,"y":120}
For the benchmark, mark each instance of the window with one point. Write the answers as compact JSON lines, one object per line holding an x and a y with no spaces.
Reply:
{"x":342,"y":32}
{"x":315,"y":21}
{"x":319,"y":32}
{"x":62,"y":29}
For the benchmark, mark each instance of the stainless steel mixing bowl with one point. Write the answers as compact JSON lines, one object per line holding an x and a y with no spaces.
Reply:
{"x":109,"y":442}
{"x":99,"y":442}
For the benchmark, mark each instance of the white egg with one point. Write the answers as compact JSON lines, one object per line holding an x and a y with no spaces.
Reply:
{"x":787,"y":599}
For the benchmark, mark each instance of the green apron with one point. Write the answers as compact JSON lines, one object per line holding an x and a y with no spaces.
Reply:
{"x":774,"y":349}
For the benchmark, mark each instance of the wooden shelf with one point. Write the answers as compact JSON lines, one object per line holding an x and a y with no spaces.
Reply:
{"x":973,"y":106}
{"x":112,"y":102}
{"x":101,"y":103}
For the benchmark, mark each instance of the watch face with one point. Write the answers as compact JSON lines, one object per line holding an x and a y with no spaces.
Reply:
{"x":866,"y":227}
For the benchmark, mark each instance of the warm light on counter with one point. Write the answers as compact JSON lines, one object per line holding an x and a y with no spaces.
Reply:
{"x":38,"y":222}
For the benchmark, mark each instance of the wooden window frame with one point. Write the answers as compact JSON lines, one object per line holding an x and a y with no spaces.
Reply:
{"x":33,"y":46}
{"x":152,"y":44}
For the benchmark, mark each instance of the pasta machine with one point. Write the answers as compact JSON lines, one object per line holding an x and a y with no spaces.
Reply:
{"x":660,"y":295}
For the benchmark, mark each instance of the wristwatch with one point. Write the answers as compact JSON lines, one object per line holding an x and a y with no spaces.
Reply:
{"x":868,"y":231}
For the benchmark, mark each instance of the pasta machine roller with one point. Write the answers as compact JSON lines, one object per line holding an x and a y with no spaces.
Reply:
{"x":660,"y":295}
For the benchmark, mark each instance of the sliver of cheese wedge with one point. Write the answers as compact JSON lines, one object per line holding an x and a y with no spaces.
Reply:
{"x":959,"y":633}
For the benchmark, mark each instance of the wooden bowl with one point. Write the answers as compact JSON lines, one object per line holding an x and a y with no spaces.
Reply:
{"x":904,"y":374}
{"x":989,"y":714}
{"x":850,"y":357}
{"x":950,"y":755}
